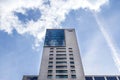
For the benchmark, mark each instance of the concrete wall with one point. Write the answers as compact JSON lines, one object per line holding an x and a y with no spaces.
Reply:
{"x":71,"y":42}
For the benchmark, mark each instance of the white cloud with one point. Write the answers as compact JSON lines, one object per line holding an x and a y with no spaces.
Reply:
{"x":51,"y":15}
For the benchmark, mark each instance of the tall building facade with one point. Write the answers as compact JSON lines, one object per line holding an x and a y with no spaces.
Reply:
{"x":61,"y":58}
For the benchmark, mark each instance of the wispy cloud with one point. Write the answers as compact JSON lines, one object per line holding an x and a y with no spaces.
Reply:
{"x":115,"y":54}
{"x":53,"y":12}
{"x":90,"y":58}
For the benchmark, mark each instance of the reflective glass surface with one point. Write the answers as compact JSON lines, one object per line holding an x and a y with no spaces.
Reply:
{"x":61,"y":76}
{"x":99,"y":78}
{"x":88,"y":78}
{"x":111,"y":78}
{"x":31,"y":78}
{"x":119,"y":77}
{"x":54,"y":37}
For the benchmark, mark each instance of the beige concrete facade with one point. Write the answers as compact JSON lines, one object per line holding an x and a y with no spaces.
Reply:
{"x":69,"y":58}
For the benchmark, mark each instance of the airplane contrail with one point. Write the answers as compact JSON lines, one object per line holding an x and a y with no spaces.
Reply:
{"x":115,"y":54}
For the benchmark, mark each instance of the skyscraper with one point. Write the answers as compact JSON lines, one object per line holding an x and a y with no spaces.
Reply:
{"x":61,"y":58}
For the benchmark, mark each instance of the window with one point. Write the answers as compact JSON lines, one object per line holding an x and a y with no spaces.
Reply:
{"x":61,"y":76}
{"x":61,"y":66}
{"x":51,"y":54}
{"x":72,"y":66}
{"x":51,"y":48}
{"x":51,"y":58}
{"x":31,"y":78}
{"x":88,"y":78}
{"x":111,"y":78}
{"x":60,"y":54}
{"x":51,"y":51}
{"x":61,"y":71}
{"x":55,"y":37}
{"x":119,"y":77}
{"x":70,"y":48}
{"x":50,"y":62}
{"x":60,"y":51}
{"x":71,"y":54}
{"x":73,"y":76}
{"x":62,"y":58}
{"x":71,"y":62}
{"x":61,"y":62}
{"x":49,"y":76}
{"x":50,"y":66}
{"x":49,"y":71}
{"x":71,"y":58}
{"x":72,"y":71}
{"x":70,"y":51}
{"x":99,"y":78}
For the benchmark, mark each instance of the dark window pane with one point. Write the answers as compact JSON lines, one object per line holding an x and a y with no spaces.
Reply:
{"x":99,"y":78}
{"x":71,"y":58}
{"x":72,"y":66}
{"x":50,"y":62}
{"x":31,"y":78}
{"x":61,"y":71}
{"x":71,"y":62}
{"x":88,"y":78}
{"x":61,"y":76}
{"x":73,"y":76}
{"x":50,"y":66}
{"x":49,"y":71}
{"x":72,"y":71}
{"x":70,"y":51}
{"x":61,"y":62}
{"x":71,"y":54}
{"x":51,"y":54}
{"x":51,"y":48}
{"x":62,"y":58}
{"x":60,"y":54}
{"x":51,"y":58}
{"x":119,"y":77}
{"x":61,"y":66}
{"x":49,"y":76}
{"x":111,"y":78}
{"x":51,"y":51}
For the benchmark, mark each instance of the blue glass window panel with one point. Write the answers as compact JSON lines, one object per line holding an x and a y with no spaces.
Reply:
{"x":111,"y":78}
{"x":32,"y":78}
{"x":119,"y":77}
{"x":99,"y":78}
{"x":54,"y":37}
{"x":88,"y":78}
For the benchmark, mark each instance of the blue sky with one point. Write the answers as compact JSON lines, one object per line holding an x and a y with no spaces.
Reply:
{"x":23,"y":25}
